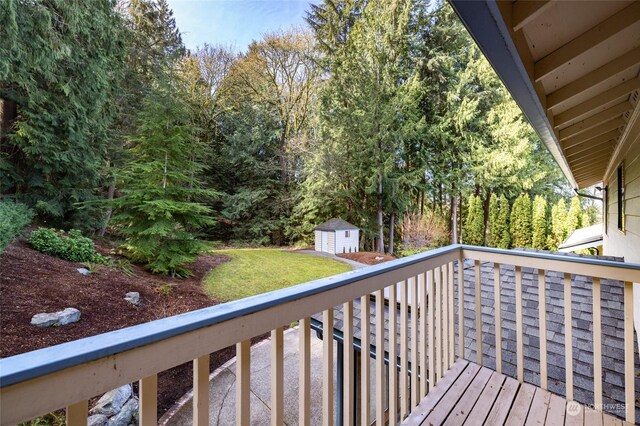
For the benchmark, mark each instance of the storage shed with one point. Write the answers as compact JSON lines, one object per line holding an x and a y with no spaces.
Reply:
{"x":337,"y":236}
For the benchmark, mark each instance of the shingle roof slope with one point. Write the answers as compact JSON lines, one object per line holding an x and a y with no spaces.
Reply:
{"x":335,"y":225}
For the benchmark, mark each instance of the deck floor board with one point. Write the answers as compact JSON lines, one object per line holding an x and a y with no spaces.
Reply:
{"x":468,"y":394}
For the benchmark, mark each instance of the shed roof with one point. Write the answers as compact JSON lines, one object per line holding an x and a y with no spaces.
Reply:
{"x":590,"y":236}
{"x":335,"y":225}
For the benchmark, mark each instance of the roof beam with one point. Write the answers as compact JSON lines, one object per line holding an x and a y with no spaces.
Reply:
{"x":597,"y":165}
{"x":594,"y":132}
{"x":592,"y":177}
{"x":605,"y":72}
{"x":590,"y":157}
{"x":607,"y":138}
{"x":601,"y":117}
{"x":525,"y":11}
{"x":581,"y":44}
{"x":597,"y":101}
{"x":597,"y":149}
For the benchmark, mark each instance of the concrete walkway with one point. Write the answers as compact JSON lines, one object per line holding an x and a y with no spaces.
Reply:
{"x":353,"y":263}
{"x":222,"y":387}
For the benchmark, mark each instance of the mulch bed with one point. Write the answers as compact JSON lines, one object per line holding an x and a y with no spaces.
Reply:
{"x":367,"y":257}
{"x":32,"y":282}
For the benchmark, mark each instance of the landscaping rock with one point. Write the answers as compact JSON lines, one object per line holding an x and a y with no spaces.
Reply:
{"x":65,"y":317}
{"x":133,"y":297}
{"x":97,"y":420}
{"x":112,"y":402}
{"x":83,"y":271}
{"x":126,"y":414}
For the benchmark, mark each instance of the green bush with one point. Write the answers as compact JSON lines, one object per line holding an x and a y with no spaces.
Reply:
{"x":72,"y":246}
{"x":13,"y":219}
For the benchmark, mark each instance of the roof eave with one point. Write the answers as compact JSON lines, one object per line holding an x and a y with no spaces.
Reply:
{"x":483,"y":20}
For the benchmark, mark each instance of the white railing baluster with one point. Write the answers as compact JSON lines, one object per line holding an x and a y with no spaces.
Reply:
{"x":452,"y":331}
{"x":415,"y":384}
{"x":277,"y":377}
{"x":629,"y":373}
{"x":519,"y":334}
{"x":348,"y":392}
{"x":201,"y":391}
{"x":432,"y":327}
{"x":404,"y":352}
{"x":542,"y":314}
{"x":437,"y":275}
{"x":149,"y":401}
{"x":568,"y":340}
{"x":461,"y":307}
{"x":365,"y":382}
{"x":393,"y":356}
{"x":380,"y":369}
{"x":597,"y":344}
{"x":497,"y":291}
{"x":304,"y":375}
{"x":77,"y":413}
{"x":422,"y":291}
{"x":243,"y":377}
{"x":327,"y":367}
{"x":444,"y":285}
{"x":478,"y":308}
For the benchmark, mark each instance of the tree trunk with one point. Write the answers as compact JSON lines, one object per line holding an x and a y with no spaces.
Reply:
{"x":392,"y":222}
{"x":8,"y":114}
{"x":454,"y":217}
{"x":380,"y":221}
{"x":422,"y":203}
{"x":107,"y":217}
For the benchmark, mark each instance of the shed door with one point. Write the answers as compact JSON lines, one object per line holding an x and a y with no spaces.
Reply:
{"x":323,"y":241}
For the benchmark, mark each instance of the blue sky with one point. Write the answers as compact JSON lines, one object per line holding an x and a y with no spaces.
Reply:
{"x":235,"y":23}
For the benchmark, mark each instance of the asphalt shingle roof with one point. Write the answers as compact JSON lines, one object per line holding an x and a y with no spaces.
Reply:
{"x":335,"y":225}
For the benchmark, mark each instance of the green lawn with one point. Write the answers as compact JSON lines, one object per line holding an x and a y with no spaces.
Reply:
{"x":255,"y":271}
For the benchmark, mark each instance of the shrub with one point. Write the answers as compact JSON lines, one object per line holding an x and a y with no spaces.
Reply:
{"x":474,"y":225}
{"x":521,"y":222}
{"x":72,"y":246}
{"x":14,"y":217}
{"x":422,"y":232}
{"x":539,"y":226}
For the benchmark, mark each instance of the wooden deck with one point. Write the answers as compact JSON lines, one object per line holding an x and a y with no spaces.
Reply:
{"x":473,"y":395}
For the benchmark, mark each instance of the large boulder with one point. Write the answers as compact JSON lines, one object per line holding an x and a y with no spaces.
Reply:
{"x":97,"y":420}
{"x":53,"y":319}
{"x":111,"y":403}
{"x":126,"y":414}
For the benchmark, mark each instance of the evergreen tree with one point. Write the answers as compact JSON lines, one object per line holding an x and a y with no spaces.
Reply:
{"x":493,"y":236}
{"x":574,"y":216}
{"x":503,"y":231}
{"x":61,"y":66}
{"x":521,"y":222}
{"x":474,"y":226}
{"x":159,"y":210}
{"x":558,"y":224}
{"x":539,"y":234}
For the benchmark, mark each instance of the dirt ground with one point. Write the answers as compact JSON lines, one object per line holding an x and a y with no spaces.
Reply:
{"x":31,"y":282}
{"x":367,"y":257}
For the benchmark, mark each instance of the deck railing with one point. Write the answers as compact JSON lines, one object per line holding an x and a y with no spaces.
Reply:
{"x":421,"y":333}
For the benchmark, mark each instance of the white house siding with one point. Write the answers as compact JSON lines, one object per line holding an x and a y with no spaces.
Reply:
{"x":347,"y":244}
{"x":318,"y":240}
{"x":626,"y":244}
{"x":331,"y":242}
